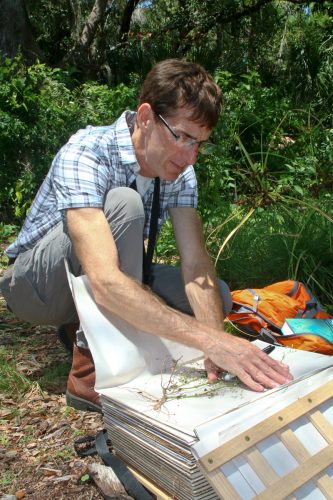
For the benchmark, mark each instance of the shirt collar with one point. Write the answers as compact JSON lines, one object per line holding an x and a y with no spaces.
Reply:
{"x":124,"y":144}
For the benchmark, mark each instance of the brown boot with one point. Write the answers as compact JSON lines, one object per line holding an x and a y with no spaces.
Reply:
{"x":80,"y":392}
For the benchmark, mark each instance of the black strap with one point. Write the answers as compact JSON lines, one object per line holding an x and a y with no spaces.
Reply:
{"x":155,"y":209}
{"x":99,"y":445}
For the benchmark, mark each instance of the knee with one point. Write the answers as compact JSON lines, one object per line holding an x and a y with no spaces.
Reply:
{"x":123,"y":203}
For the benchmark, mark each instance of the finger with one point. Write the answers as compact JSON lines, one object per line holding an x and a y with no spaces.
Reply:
{"x":250,"y":382}
{"x":273,"y":369}
{"x":264,"y":373}
{"x":269,"y":377}
{"x":212,"y":370}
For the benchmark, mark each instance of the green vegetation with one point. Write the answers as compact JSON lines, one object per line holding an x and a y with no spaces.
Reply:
{"x":54,"y":377}
{"x":64,"y":454}
{"x":39,"y":111}
{"x":11,"y":381}
{"x":265,"y":196}
{"x":6,"y":478}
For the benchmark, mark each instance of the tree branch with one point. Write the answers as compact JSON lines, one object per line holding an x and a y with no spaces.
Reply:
{"x":94,"y":19}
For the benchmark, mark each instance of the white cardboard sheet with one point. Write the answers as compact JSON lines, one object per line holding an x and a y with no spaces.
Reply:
{"x":121,"y":352}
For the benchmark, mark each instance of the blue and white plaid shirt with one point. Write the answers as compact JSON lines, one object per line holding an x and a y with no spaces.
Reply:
{"x":94,"y":161}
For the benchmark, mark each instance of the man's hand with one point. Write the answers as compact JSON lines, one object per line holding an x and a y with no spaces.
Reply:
{"x":249,"y":363}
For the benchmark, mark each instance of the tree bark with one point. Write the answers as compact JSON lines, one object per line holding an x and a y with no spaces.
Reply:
{"x":94,"y":20}
{"x":77,"y":20}
{"x":83,"y":54}
{"x":16,"y":33}
{"x":126,"y":20}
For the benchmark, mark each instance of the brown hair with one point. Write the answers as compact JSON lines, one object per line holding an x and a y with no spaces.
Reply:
{"x":175,"y":83}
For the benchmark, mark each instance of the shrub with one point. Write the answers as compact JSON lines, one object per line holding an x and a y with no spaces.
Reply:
{"x":40,"y":109}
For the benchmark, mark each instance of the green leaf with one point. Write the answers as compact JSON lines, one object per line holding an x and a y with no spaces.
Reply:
{"x":298,"y":189}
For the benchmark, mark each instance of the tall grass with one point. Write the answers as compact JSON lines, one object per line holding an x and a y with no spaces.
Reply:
{"x":257,"y":247}
{"x":276,"y":243}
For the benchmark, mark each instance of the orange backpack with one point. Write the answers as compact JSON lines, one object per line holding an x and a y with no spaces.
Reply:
{"x":261,"y":312}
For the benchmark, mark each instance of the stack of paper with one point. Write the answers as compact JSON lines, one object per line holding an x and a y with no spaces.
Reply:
{"x":161,"y":453}
{"x":155,"y":422}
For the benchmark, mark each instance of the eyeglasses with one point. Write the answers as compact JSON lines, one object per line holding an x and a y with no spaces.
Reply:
{"x":205,"y":147}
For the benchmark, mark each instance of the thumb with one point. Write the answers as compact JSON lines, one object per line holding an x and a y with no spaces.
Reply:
{"x":212,"y":370}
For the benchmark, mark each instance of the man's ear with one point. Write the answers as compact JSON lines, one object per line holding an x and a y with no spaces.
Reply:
{"x":144,"y":115}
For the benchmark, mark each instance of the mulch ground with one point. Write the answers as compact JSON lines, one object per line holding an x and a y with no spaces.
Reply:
{"x":37,"y":429}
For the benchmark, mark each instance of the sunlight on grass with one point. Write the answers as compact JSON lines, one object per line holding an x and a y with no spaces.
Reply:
{"x":54,"y":377}
{"x":274,"y":244}
{"x":11,"y":381}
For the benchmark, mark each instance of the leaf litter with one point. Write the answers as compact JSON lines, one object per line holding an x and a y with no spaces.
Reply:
{"x":37,"y":429}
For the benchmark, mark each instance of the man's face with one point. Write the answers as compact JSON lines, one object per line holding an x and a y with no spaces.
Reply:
{"x":165,"y":156}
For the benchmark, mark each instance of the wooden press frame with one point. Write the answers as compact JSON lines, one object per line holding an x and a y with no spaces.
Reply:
{"x":310,"y":467}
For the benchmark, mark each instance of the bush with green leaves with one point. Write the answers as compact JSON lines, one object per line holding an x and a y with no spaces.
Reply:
{"x":257,"y":247}
{"x":267,"y":151}
{"x":40,"y":108}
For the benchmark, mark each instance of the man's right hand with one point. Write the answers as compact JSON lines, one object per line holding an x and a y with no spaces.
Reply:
{"x":251,"y":365}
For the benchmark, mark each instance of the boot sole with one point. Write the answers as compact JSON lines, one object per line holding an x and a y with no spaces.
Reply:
{"x":82,"y":404}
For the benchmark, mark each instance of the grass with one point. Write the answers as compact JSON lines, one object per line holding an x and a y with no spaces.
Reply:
{"x":273,"y":244}
{"x":4,"y":440}
{"x":7,"y":478}
{"x":8,"y":233}
{"x":29,"y":435}
{"x":11,"y":380}
{"x":64,"y":453}
{"x":55,"y":376}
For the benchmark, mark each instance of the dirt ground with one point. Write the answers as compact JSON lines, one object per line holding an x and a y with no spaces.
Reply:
{"x":37,"y":429}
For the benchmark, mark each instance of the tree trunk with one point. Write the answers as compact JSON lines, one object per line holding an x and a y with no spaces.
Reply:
{"x":77,"y":20}
{"x":16,"y":32}
{"x":90,"y":28}
{"x":82,"y":54}
{"x":126,"y":20}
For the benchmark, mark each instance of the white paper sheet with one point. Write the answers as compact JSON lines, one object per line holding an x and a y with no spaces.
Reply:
{"x":190,"y":400}
{"x":121,"y":352}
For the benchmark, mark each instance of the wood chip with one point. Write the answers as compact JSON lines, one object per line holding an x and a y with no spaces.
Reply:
{"x":107,"y":481}
{"x":20,"y":494}
{"x":50,"y":472}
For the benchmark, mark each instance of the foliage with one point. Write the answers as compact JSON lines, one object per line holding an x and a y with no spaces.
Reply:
{"x":39,"y":111}
{"x":266,"y":151}
{"x":307,"y":67}
{"x":11,"y":380}
{"x":276,"y":243}
{"x":273,"y":61}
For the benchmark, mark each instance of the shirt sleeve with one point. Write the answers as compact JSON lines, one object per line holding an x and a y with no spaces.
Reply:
{"x":81,"y":177}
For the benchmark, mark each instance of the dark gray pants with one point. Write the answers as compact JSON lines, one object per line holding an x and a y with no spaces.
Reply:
{"x":36,"y":286}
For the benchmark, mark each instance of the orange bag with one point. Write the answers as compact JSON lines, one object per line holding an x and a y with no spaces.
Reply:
{"x":261,"y":312}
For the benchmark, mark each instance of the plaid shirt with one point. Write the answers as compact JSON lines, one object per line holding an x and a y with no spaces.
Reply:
{"x":94,"y":161}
